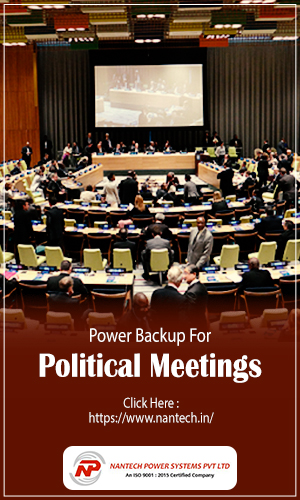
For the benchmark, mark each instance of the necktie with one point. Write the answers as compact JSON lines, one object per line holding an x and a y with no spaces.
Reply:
{"x":195,"y":239}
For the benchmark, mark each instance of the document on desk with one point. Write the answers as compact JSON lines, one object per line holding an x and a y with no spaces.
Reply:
{"x":147,"y":390}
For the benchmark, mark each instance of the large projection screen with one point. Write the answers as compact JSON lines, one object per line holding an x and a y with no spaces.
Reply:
{"x":149,"y":96}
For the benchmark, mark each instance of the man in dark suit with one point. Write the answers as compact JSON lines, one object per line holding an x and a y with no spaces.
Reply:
{"x":270,"y":223}
{"x":125,"y":243}
{"x":196,"y":295}
{"x":26,"y":154}
{"x":165,"y":232}
{"x":55,"y":188}
{"x":55,"y":224}
{"x":226,"y":177}
{"x":289,"y":233}
{"x":65,"y":271}
{"x":128,"y":189}
{"x":157,"y":242}
{"x":23,"y":230}
{"x":62,"y":301}
{"x":200,"y":244}
{"x":107,"y":145}
{"x":167,"y":304}
{"x":288,"y":185}
{"x":255,"y":277}
{"x":263,"y":170}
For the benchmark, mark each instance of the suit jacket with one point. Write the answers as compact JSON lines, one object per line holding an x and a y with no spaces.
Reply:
{"x":269,"y":224}
{"x":199,"y":251}
{"x":282,"y":241}
{"x":263,"y":169}
{"x":167,"y":307}
{"x":127,"y":244}
{"x":106,"y":147}
{"x":226,"y":177}
{"x":62,"y":302}
{"x":128,"y":189}
{"x":256,"y":278}
{"x":190,"y":190}
{"x":219,"y":206}
{"x":23,"y":231}
{"x":25,"y":156}
{"x":196,"y":296}
{"x":55,"y":226}
{"x":166,"y":234}
{"x":287,"y":184}
{"x":53,"y":284}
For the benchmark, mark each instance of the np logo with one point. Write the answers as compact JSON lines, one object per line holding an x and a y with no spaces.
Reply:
{"x":87,"y":467}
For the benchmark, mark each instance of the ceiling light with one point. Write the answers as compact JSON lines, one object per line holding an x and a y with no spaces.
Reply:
{"x":148,"y":40}
{"x":91,"y":39}
{"x":150,"y":16}
{"x":70,"y":39}
{"x":80,"y":29}
{"x":47,"y":6}
{"x":6,"y":44}
{"x":61,"y":29}
{"x":219,"y":26}
{"x":58,"y":6}
{"x":34,"y":7}
{"x":156,"y":40}
{"x":236,"y":26}
{"x":22,"y":44}
{"x":75,"y":39}
{"x":160,"y":16}
{"x":81,"y":39}
{"x":139,"y":40}
{"x":141,"y":16}
{"x":71,"y":29}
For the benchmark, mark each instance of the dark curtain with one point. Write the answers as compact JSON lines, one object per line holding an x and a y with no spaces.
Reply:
{"x":64,"y":88}
{"x":251,"y":92}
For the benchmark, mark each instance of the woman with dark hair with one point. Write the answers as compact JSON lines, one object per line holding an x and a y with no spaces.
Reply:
{"x":110,"y":191}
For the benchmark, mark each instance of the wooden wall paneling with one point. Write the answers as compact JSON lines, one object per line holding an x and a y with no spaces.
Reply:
{"x":21,"y":104}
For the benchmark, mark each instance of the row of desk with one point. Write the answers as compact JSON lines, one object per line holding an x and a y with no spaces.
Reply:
{"x":101,"y":278}
{"x":142,"y":161}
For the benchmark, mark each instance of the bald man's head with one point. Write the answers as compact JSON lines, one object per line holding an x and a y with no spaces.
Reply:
{"x":140,"y":304}
{"x":253,"y":263}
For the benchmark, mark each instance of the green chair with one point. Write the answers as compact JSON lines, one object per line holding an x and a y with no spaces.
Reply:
{"x":245,"y":219}
{"x":96,"y":203}
{"x":7,"y":214}
{"x":5,"y":256}
{"x":122,"y":258}
{"x":211,"y":152}
{"x":100,"y":223}
{"x":290,"y":213}
{"x":28,"y":256}
{"x":192,"y":222}
{"x":229,"y":256}
{"x":92,"y":257}
{"x":23,"y":165}
{"x":232,"y":152}
{"x":266,"y":252}
{"x":292,"y":251}
{"x":159,"y":261}
{"x":231,"y":197}
{"x":70,"y":222}
{"x":54,"y":256}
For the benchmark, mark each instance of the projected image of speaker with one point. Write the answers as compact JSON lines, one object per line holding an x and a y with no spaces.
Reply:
{"x":154,"y":95}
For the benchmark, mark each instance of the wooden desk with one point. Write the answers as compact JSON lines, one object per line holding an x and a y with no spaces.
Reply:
{"x":93,"y":278}
{"x":142,"y":161}
{"x":208,"y":174}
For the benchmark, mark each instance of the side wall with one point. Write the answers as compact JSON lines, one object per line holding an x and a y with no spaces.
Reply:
{"x":21,"y":103}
